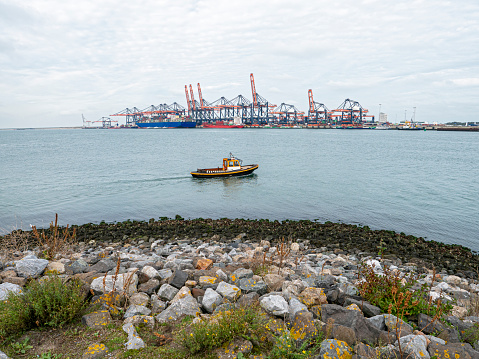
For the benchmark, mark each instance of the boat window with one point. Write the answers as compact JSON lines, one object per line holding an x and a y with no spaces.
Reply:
{"x":236,"y":163}
{"x":231,"y":163}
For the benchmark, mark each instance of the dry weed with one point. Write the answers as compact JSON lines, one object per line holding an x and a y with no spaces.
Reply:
{"x":56,"y":241}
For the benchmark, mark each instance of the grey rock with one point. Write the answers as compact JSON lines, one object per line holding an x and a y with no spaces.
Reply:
{"x":274,"y":281}
{"x":150,"y":272}
{"x":78,"y":266}
{"x":248,"y":285}
{"x":378,"y":321}
{"x":364,"y":330}
{"x":332,"y":348}
{"x":96,"y":319}
{"x":427,"y":326}
{"x":274,"y":304}
{"x":157,"y":305}
{"x":165,"y":273}
{"x":134,"y":341}
{"x":140,"y":299}
{"x":211,"y":300}
{"x":178,"y":278}
{"x":167,"y":292}
{"x":150,"y":286}
{"x":103,"y":266}
{"x":294,"y":307}
{"x":415,"y":346}
{"x":367,"y":308}
{"x":248,"y":300}
{"x":136,"y":310}
{"x":395,"y":324}
{"x":30,"y":267}
{"x":122,"y":282}
{"x":6,"y":288}
{"x":3,"y":355}
{"x":239,"y":274}
{"x":137,"y":320}
{"x":229,"y":291}
{"x":184,"y":306}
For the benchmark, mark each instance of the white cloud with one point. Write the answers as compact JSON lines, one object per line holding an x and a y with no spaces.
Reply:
{"x":59,"y":59}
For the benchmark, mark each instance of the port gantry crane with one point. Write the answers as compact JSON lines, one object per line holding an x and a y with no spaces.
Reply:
{"x":288,"y":115}
{"x":260,"y":108}
{"x":131,"y":115}
{"x":318,"y":113}
{"x":350,"y":113}
{"x":206,"y":112}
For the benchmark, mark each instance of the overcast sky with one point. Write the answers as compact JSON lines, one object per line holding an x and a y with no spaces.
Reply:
{"x":60,"y":59}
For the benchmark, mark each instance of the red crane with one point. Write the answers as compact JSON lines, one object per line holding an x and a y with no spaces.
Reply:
{"x":200,"y":95}
{"x":253,"y":90}
{"x":192,"y":98}
{"x":188,"y":99}
{"x":311,"y":102}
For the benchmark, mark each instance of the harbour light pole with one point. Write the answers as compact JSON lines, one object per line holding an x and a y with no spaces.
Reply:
{"x":414,"y":115}
{"x":379,"y":117}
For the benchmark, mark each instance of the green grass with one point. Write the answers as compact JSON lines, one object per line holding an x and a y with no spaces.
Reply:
{"x":47,"y":303}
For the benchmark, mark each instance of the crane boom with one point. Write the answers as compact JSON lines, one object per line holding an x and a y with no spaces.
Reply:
{"x":188,"y":99}
{"x":253,"y":90}
{"x":192,"y":98}
{"x":311,"y":102}
{"x":200,"y":95}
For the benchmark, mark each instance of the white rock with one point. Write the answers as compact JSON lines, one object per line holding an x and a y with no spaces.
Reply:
{"x":415,"y":346}
{"x":134,"y":340}
{"x":167,"y":292}
{"x":150,"y":272}
{"x":275,"y":304}
{"x":6,"y":288}
{"x":229,"y":291}
{"x":185,"y":306}
{"x":128,"y":281}
{"x":211,"y":300}
{"x":30,"y":266}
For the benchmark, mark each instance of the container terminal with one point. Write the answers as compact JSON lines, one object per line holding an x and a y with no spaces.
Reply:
{"x":240,"y":112}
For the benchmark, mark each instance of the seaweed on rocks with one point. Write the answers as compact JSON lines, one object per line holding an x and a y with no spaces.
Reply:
{"x":334,"y":236}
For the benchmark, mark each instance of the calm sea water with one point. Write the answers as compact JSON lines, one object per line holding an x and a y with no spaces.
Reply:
{"x":420,"y":183}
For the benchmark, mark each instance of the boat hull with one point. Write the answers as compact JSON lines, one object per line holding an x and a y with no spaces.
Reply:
{"x":218,"y":172}
{"x":211,"y":125}
{"x":167,"y":124}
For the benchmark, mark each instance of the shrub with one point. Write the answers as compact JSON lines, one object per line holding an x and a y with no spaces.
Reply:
{"x":48,"y":303}
{"x":248,"y":323}
{"x":393,"y":293}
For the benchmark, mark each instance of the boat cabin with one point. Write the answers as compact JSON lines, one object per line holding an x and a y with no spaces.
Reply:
{"x":231,"y":164}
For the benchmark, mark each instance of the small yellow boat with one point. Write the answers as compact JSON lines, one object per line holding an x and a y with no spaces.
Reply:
{"x":232,"y":166}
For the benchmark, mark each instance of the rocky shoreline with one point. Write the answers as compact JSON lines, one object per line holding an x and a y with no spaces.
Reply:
{"x":303,"y":276}
{"x":349,"y":238}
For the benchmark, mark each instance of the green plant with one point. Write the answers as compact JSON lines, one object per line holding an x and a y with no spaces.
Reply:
{"x":21,"y":348}
{"x":246,"y":322}
{"x":392,"y":292}
{"x":286,"y":347}
{"x":49,"y":303}
{"x":49,"y":355}
{"x":55,"y":241}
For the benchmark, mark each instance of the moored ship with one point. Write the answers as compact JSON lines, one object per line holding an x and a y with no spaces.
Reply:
{"x":166,"y":122}
{"x":221,"y":124}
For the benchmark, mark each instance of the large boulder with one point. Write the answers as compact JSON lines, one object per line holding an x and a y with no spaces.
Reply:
{"x":414,"y":346}
{"x":185,"y":306}
{"x":229,"y":291}
{"x":178,"y":279}
{"x":364,"y":330}
{"x":248,"y":285}
{"x":211,"y":300}
{"x":30,"y":266}
{"x":6,"y":288}
{"x":274,"y":304}
{"x":167,"y":292}
{"x":123,"y":283}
